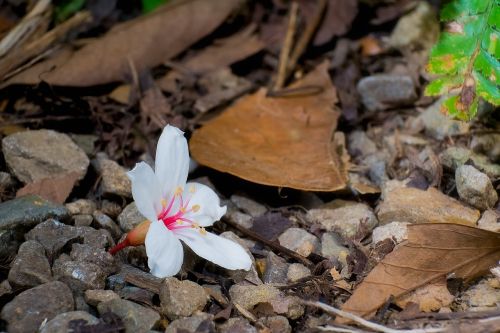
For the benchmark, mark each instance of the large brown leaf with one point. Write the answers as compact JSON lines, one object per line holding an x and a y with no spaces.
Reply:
{"x":144,"y":42}
{"x":432,"y":251}
{"x":284,"y":142}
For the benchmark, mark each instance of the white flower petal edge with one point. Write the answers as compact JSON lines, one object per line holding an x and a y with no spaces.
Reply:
{"x":165,"y":252}
{"x":207,"y":203}
{"x":145,"y":190}
{"x":172,"y":160}
{"x":216,"y":249}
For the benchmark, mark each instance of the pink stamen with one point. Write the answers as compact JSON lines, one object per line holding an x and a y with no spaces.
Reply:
{"x":171,"y":221}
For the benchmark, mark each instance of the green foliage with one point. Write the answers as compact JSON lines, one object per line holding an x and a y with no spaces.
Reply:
{"x":65,"y":9}
{"x":466,"y":57}
{"x":150,"y":5}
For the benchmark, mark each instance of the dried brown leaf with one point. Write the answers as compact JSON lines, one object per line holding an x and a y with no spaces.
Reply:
{"x":280,"y":141}
{"x":55,"y":189}
{"x":146,"y":42}
{"x":432,"y":251}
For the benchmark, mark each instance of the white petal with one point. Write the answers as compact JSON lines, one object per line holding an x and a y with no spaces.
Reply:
{"x":216,"y":249}
{"x":145,"y":190}
{"x":165,"y":253}
{"x":172,"y":160}
{"x":207,"y":203}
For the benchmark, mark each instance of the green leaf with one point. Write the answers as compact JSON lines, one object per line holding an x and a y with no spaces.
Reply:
{"x":150,"y":5}
{"x":67,"y":8}
{"x":466,"y":57}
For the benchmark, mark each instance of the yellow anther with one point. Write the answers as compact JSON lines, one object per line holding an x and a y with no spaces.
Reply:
{"x":179,"y":221}
{"x":203,"y":231}
{"x":163,"y":203}
{"x":182,"y":210}
{"x":192,"y":189}
{"x":195,"y":225}
{"x":178,"y":190}
{"x":195,"y":208}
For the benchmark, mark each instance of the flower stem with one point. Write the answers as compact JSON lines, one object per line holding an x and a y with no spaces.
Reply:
{"x":120,"y":246}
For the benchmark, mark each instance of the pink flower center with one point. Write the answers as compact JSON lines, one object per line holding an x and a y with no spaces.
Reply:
{"x":178,"y":220}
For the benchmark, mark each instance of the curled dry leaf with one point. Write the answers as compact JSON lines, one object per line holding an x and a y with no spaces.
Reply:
{"x":144,"y":42}
{"x":278,"y":141}
{"x":432,"y":251}
{"x":55,"y":189}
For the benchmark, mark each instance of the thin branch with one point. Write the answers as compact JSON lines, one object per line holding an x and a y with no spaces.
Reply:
{"x":287,"y":46}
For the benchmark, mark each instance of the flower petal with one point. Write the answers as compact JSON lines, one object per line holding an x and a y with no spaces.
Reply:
{"x":206,"y":203}
{"x":145,"y":190}
{"x":216,"y":249}
{"x":165,"y":253}
{"x":172,"y":160}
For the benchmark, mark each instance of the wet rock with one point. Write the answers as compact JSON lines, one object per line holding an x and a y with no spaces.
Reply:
{"x":80,"y":276}
{"x":100,"y":257}
{"x":114,"y":180}
{"x":296,"y":272}
{"x":82,"y":220}
{"x":332,"y":247}
{"x":439,"y":125}
{"x":407,"y":204}
{"x":300,"y":241}
{"x":487,"y":144}
{"x":453,"y":157}
{"x":380,"y":92}
{"x":34,"y":155}
{"x":54,"y":235}
{"x":249,"y":206}
{"x":349,"y":219}
{"x":276,"y":270}
{"x":475,"y":188}
{"x":276,"y":324}
{"x":397,"y":231}
{"x":418,"y":29}
{"x":489,"y":221}
{"x":130,"y":217}
{"x":359,"y":144}
{"x":96,"y":296}
{"x":81,"y":206}
{"x":191,"y":324}
{"x":30,"y":308}
{"x":181,"y":298}
{"x":136,"y":318}
{"x":484,"y":296}
{"x":240,"y":325}
{"x":103,"y":221}
{"x":241,"y":219}
{"x":60,"y":323}
{"x":30,"y":267}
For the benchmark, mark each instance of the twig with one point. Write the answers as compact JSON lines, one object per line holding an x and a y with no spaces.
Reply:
{"x":287,"y":46}
{"x":364,"y":322}
{"x":271,"y":244}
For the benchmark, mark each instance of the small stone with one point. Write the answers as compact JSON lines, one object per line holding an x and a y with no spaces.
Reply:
{"x":30,"y":267}
{"x":82,"y":220}
{"x":296,"y":272}
{"x":407,"y":204}
{"x":191,"y":324}
{"x":100,"y":257}
{"x":111,"y":208}
{"x":489,"y":221}
{"x":349,"y":219}
{"x":81,"y":206}
{"x":249,"y":206}
{"x":419,"y":28}
{"x":481,"y":297}
{"x":117,"y":282}
{"x":5,"y":288}
{"x":53,"y":235}
{"x":240,"y":325}
{"x":96,"y":296}
{"x":487,"y":144}
{"x":7,"y":182}
{"x":130,"y":217}
{"x":241,"y":219}
{"x":276,"y":324}
{"x":30,"y":308}
{"x":97,"y":238}
{"x":300,"y":241}
{"x":397,"y":231}
{"x":276,"y":270}
{"x":380,"y":92}
{"x":331,"y":246}
{"x":80,"y":276}
{"x":39,"y":154}
{"x":136,"y":318}
{"x":359,"y":144}
{"x":439,"y":125}
{"x":475,"y":188}
{"x":60,"y":323}
{"x":103,"y":221}
{"x":86,"y":142}
{"x":114,"y":180}
{"x":377,"y":168}
{"x":453,"y":157}
{"x":181,"y":298}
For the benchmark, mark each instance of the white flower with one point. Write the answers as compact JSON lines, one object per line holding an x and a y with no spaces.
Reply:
{"x":179,"y":211}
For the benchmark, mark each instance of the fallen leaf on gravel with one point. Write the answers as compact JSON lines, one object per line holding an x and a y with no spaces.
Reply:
{"x":277,"y":141}
{"x":55,"y":189}
{"x":144,"y":42}
{"x":430,"y":297}
{"x":432,"y":251}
